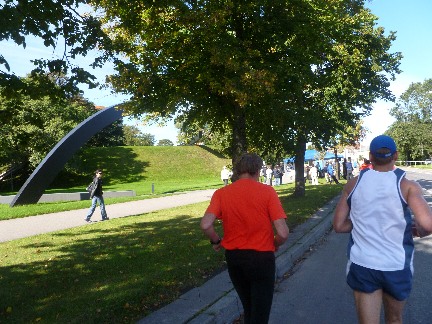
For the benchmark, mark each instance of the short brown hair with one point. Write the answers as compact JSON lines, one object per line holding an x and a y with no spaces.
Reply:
{"x":248,"y":163}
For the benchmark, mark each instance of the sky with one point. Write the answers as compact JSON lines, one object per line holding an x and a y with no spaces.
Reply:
{"x":409,"y":19}
{"x":413,"y":26}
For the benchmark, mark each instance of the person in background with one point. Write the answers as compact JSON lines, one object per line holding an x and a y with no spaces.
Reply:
{"x":349,"y":169}
{"x":249,"y":211}
{"x":366,"y":164}
{"x":269,"y":175}
{"x":375,"y":209}
{"x":331,"y":174}
{"x":96,"y":195}
{"x":225,"y":175}
{"x":344,"y":169}
{"x":282,"y":171}
{"x":277,"y":174}
{"x":314,"y":174}
{"x":306,"y":174}
{"x":263,"y":178}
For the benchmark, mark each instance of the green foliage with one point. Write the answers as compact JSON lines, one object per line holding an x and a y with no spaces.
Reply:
{"x":270,"y":73}
{"x":58,"y":24}
{"x":134,"y":137}
{"x":415,"y":104}
{"x":165,"y":142}
{"x":31,"y":127}
{"x":412,"y":129}
{"x":111,"y":135}
{"x":194,"y":133}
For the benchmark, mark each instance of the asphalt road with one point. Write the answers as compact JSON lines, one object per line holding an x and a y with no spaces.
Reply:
{"x":316,"y":291}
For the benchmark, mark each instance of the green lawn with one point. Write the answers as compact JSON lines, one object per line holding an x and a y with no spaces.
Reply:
{"x":138,"y":168}
{"x":121,"y":270}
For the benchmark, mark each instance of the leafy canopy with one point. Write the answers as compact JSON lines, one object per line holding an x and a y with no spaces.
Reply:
{"x":412,"y":129}
{"x":271,"y":73}
{"x":62,"y":25}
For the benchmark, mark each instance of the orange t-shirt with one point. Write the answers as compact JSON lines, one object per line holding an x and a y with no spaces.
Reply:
{"x":247,"y":209}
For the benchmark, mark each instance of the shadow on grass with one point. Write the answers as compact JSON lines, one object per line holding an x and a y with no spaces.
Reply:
{"x":115,"y":272}
{"x":213,"y":151}
{"x":120,"y":164}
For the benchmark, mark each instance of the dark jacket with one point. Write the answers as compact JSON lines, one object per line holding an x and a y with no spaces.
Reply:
{"x":97,"y":188}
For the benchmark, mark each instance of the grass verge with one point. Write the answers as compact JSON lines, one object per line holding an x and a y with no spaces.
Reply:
{"x":7,"y":212}
{"x":121,"y":270}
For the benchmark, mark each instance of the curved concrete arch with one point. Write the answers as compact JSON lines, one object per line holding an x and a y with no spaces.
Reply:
{"x":55,"y":160}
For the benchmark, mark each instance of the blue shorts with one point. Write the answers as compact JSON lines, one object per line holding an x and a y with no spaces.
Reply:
{"x":397,"y":284}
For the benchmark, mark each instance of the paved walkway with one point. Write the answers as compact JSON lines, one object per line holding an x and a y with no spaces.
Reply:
{"x":23,"y":227}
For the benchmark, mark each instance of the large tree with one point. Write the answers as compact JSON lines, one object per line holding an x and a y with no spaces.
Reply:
{"x":278,"y":73}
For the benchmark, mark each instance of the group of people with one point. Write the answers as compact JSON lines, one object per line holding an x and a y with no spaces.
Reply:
{"x":349,"y":170}
{"x":267,"y":174}
{"x":271,"y":176}
{"x":312,"y":173}
{"x":380,"y":261}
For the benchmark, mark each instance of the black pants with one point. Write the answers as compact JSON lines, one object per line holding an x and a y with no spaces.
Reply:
{"x":253,"y":276}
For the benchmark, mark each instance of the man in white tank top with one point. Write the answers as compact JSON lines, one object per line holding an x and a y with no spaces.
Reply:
{"x":374,"y":209}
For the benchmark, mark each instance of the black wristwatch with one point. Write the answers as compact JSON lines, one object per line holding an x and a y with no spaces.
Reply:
{"x":215,"y":243}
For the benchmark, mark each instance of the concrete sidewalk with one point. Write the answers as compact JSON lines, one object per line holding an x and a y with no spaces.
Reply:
{"x":13,"y":229}
{"x":217,"y":302}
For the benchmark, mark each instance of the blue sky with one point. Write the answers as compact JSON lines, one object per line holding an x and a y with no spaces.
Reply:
{"x":409,"y":19}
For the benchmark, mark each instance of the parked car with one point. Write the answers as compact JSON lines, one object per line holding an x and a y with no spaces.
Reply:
{"x":428,"y":161}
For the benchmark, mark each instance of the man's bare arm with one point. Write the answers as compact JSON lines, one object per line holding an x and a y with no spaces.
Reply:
{"x":341,"y":221}
{"x":419,"y":206}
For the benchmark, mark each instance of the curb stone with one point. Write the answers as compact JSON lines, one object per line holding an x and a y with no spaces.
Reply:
{"x":216,"y":301}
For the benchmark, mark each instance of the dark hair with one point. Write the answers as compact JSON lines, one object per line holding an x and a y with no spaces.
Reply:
{"x":98,"y":171}
{"x":248,"y":163}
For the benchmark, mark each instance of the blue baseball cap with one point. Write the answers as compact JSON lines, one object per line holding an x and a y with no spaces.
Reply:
{"x":380,"y":142}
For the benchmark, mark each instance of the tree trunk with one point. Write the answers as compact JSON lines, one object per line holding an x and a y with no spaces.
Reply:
{"x":239,"y":141}
{"x":300,"y":188}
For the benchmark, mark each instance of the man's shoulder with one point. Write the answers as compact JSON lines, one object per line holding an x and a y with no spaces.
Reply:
{"x":349,"y":186}
{"x":408,"y":183}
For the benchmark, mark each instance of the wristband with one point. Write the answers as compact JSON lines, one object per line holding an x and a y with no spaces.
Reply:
{"x":215,"y":243}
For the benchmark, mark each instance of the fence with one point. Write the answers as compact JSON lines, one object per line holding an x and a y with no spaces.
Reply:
{"x":414,"y":163}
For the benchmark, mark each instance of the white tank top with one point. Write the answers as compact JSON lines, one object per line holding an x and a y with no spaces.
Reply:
{"x":381,"y":237}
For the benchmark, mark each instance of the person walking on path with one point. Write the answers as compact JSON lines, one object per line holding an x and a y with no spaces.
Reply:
{"x":374,"y":208}
{"x":96,"y":195}
{"x":248,"y":210}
